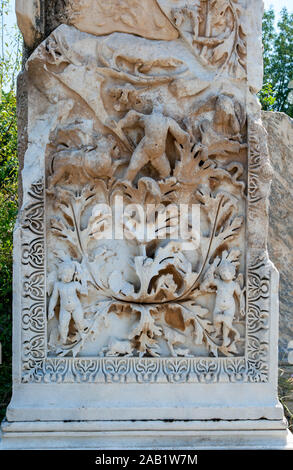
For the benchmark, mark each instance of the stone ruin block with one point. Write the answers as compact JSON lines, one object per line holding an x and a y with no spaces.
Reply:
{"x":145,"y":304}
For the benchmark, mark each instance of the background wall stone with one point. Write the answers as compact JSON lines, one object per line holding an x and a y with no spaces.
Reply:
{"x":280,"y":140}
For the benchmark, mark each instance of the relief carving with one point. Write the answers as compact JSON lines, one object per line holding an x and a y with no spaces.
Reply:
{"x":154,"y":127}
{"x":214,"y":31}
{"x":141,"y":17}
{"x":158,"y":162}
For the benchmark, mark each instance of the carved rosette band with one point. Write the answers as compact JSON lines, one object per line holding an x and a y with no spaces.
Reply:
{"x":33,"y":276}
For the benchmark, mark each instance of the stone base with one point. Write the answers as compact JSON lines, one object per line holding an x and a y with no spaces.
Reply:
{"x":229,"y":435}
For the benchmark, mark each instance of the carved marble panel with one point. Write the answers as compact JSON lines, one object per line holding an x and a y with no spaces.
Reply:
{"x":145,"y":303}
{"x":155,"y":117}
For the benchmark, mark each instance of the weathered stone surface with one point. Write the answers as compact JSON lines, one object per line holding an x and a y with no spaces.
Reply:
{"x":30,"y":20}
{"x":142,"y":17}
{"x":290,"y":352}
{"x":22,"y":121}
{"x":142,"y":285}
{"x":280,"y":141}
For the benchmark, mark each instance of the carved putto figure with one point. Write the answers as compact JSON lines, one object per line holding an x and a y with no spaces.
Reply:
{"x":66,"y":289}
{"x":222,"y":277}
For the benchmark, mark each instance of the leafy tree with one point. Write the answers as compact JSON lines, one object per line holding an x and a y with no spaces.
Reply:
{"x":266,"y":95}
{"x":268,"y":36}
{"x":278,"y":62}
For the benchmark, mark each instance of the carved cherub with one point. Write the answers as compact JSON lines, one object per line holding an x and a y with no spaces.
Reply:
{"x":227,"y":288}
{"x":152,"y":147}
{"x":66,"y":288}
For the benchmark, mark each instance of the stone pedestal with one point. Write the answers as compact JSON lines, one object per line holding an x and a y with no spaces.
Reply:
{"x":117,"y":435}
{"x":145,"y":304}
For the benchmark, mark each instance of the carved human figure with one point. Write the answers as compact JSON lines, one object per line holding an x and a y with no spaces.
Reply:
{"x":66,"y":289}
{"x":152,"y":147}
{"x":225,"y":305}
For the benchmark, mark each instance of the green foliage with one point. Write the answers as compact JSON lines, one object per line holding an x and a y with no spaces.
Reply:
{"x":278,"y":62}
{"x":8,"y":211}
{"x":267,"y":97}
{"x":8,"y":185}
{"x":268,"y":36}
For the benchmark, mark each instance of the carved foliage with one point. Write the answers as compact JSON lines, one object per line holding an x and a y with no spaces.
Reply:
{"x":214,"y":28}
{"x":155,"y":310}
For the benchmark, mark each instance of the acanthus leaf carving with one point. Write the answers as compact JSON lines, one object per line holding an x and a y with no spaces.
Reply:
{"x":150,"y":309}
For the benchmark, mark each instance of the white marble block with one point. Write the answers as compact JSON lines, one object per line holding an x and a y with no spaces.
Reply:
{"x":145,"y":305}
